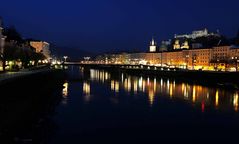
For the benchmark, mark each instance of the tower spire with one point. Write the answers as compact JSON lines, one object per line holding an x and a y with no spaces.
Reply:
{"x":152,"y":47}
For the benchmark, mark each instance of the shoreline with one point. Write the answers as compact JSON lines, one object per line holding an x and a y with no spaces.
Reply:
{"x":228,"y":80}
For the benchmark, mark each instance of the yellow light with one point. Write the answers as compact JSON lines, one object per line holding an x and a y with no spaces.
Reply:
{"x":155,"y":84}
{"x":151,"y":97}
{"x":217,"y":98}
{"x":194,"y":93}
{"x":117,"y":86}
{"x":235,"y":101}
{"x":171,"y":90}
{"x":86,"y":91}
{"x":144,"y":84}
{"x":129,"y":84}
{"x":65,"y":93}
{"x":112,"y":86}
{"x":135,"y":86}
{"x":141,"y":83}
{"x":65,"y":89}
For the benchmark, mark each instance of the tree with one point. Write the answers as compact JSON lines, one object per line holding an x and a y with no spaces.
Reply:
{"x":12,"y":34}
{"x":237,"y":38}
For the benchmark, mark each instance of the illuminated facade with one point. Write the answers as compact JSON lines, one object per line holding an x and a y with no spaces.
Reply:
{"x":41,"y":47}
{"x":153,"y":46}
{"x":195,"y":34}
{"x":185,"y":45}
{"x":176,"y":45}
{"x":216,"y":58}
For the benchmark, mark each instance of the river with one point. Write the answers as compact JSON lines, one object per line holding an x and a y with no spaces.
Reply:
{"x":99,"y":106}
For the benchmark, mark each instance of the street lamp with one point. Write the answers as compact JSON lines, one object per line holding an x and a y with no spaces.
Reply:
{"x":65,"y":57}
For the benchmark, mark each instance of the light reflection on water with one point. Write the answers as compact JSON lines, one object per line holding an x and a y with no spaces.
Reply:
{"x":65,"y":93}
{"x":160,"y":87}
{"x":86,"y":91}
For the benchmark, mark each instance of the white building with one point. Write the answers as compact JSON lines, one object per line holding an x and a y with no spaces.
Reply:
{"x":153,"y":46}
{"x":195,"y":34}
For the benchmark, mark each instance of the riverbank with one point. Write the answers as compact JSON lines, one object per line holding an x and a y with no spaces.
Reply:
{"x":229,"y":80}
{"x":11,"y":76}
{"x":27,"y":100}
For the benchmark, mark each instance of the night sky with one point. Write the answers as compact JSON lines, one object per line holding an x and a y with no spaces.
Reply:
{"x":115,"y":25}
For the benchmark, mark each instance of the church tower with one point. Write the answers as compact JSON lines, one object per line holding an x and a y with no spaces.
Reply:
{"x":153,"y":46}
{"x":176,"y":45}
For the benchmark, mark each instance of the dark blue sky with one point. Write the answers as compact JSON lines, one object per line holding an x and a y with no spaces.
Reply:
{"x":104,"y":25}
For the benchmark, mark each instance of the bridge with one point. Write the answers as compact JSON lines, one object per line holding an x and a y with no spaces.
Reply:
{"x":123,"y":66}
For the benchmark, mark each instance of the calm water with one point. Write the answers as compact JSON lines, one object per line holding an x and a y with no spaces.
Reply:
{"x":104,"y":107}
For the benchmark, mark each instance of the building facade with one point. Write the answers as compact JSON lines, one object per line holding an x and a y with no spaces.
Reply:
{"x":41,"y":47}
{"x":216,"y":58}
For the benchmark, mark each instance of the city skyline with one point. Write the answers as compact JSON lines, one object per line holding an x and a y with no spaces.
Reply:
{"x":114,"y":26}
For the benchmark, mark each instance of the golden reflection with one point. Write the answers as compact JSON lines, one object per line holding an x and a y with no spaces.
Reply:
{"x":106,"y":76}
{"x":129,"y":84}
{"x":168,"y":85}
{"x":122,"y":78}
{"x":183,"y":87}
{"x":65,"y":93}
{"x":97,"y":75}
{"x":65,"y":89}
{"x":126,"y":84}
{"x":155,"y":84}
{"x":112,"y":85}
{"x":151,"y":97}
{"x":185,"y":92}
{"x":144,"y":83}
{"x":141,"y":83}
{"x":117,"y":86}
{"x":86,"y":91}
{"x":194,"y":93}
{"x":171,"y":90}
{"x":135,"y":86}
{"x":235,"y":101}
{"x":217,"y":98}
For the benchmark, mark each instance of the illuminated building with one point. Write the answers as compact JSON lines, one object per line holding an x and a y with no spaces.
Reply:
{"x":215,"y":58}
{"x":198,"y":58}
{"x":41,"y":47}
{"x":185,"y":45}
{"x":195,"y":34}
{"x":176,"y":45}
{"x":152,"y":47}
{"x":173,"y":58}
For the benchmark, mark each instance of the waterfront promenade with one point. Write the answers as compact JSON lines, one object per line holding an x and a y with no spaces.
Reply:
{"x":8,"y":76}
